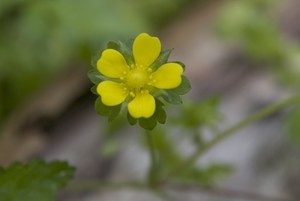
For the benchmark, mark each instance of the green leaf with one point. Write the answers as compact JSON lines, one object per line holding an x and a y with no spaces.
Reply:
{"x":131,"y":120}
{"x":110,"y":111}
{"x":95,"y":76}
{"x":162,"y":59}
{"x":95,"y":58}
{"x":172,"y":97}
{"x":184,"y":87}
{"x":160,"y":113}
{"x":206,"y":176}
{"x":124,"y":49}
{"x":113,"y":45}
{"x":196,"y":114}
{"x":181,"y":64}
{"x":159,"y":116}
{"x":148,"y":123}
{"x":36,"y":180}
{"x":94,"y":90}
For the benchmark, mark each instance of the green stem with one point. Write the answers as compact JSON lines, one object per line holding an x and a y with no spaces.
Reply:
{"x":152,"y":174}
{"x":228,"y":132}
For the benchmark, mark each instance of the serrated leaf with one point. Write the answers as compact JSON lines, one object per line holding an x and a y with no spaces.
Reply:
{"x":94,"y":76}
{"x":162,"y":59}
{"x":110,"y":111}
{"x":184,"y":87}
{"x":36,"y":180}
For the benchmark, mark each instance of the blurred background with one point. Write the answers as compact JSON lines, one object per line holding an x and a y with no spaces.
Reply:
{"x":244,"y":53}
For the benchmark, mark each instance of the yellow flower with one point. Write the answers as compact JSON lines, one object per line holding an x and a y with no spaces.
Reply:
{"x":137,"y":81}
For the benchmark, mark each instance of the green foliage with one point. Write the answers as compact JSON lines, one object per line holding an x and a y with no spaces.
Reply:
{"x":95,"y":76}
{"x":159,"y":116}
{"x":207,"y":176}
{"x":109,"y":111}
{"x":173,"y":95}
{"x":124,"y":48}
{"x":246,"y":22}
{"x":170,"y":157}
{"x":36,"y":180}
{"x":162,"y":59}
{"x":251,"y":23}
{"x":197,"y":114}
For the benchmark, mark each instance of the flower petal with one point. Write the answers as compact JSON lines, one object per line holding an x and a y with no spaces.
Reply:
{"x":146,"y":49}
{"x":112,"y":64}
{"x":168,"y":76}
{"x":112,"y":93}
{"x":143,"y":105}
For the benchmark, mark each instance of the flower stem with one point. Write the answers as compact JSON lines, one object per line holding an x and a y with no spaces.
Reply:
{"x":231,"y":130}
{"x":153,"y":169}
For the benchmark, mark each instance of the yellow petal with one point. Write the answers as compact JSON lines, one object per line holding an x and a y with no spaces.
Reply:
{"x":143,"y":105}
{"x":112,"y":93}
{"x":112,"y":64}
{"x":146,"y":49}
{"x":168,"y":76}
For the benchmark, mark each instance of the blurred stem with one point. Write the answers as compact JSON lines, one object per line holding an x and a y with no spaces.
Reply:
{"x":221,"y":192}
{"x":185,"y":166}
{"x":153,"y":169}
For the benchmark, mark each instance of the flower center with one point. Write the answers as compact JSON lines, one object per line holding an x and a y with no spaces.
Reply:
{"x":137,"y":78}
